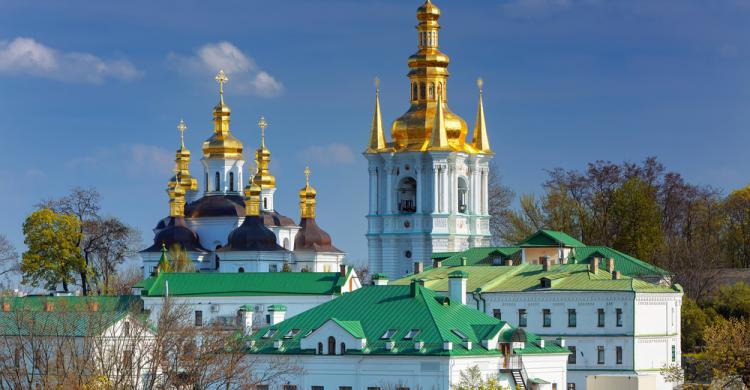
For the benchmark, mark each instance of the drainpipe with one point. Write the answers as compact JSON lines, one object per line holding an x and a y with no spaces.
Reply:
{"x":474,"y":295}
{"x":484,"y":303}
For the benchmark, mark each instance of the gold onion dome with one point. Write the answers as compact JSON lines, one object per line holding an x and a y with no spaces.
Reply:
{"x":222,"y":144}
{"x":428,"y":76}
{"x":307,"y":197}
{"x":182,"y":164}
{"x":263,"y":177}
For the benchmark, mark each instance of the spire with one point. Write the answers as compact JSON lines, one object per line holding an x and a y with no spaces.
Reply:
{"x":222,"y":144}
{"x":480,"y":141}
{"x":377,"y":135}
{"x":263,"y":177}
{"x":439,"y":138}
{"x":182,"y":164}
{"x":163,"y":265}
{"x":176,"y":200}
{"x":252,"y":197}
{"x":307,"y":198}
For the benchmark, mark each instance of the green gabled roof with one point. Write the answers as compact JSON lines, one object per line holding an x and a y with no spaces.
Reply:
{"x":476,"y":256}
{"x":244,"y":284}
{"x":626,"y":264}
{"x":526,"y":277}
{"x":442,"y":255}
{"x":71,"y":316}
{"x":546,"y":237}
{"x":377,"y":309}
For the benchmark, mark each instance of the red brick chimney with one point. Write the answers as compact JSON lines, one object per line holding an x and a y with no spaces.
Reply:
{"x":342,"y":269}
{"x":48,"y":306}
{"x":610,"y":265}
{"x":418,"y":267}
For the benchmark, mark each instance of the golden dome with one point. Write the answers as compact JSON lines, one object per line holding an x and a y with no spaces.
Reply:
{"x":252,"y":199}
{"x":307,"y":197}
{"x":182,"y":164}
{"x":263,"y":177}
{"x":222,"y":144}
{"x":428,"y":76}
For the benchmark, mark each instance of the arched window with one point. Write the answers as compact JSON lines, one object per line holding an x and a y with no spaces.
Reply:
{"x":241,"y":270}
{"x":432,"y":91}
{"x":265,"y":203}
{"x":217,"y":178}
{"x":342,"y":349}
{"x":320,"y":348}
{"x":414,"y":91}
{"x":331,"y":345}
{"x":407,"y":195}
{"x":463,"y":195}
{"x":206,"y":181}
{"x":231,"y":181}
{"x":422,"y":90}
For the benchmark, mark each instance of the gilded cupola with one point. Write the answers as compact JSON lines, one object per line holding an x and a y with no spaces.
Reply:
{"x":310,"y":237}
{"x":182,"y":164}
{"x":428,"y":76}
{"x":252,"y":199}
{"x":263,"y":177}
{"x":307,"y":198}
{"x":222,"y":144}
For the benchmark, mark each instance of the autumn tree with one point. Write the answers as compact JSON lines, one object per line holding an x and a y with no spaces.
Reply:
{"x":638,"y":228}
{"x":53,"y":255}
{"x":728,"y":349}
{"x":8,"y":257}
{"x":737,"y":208}
{"x":179,"y":259}
{"x":499,"y":202}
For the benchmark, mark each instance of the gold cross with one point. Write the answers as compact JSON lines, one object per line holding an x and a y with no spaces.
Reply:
{"x":307,"y":176}
{"x":377,"y":84}
{"x":480,"y":84}
{"x":262,"y":124}
{"x":221,"y":78}
{"x":182,"y":127}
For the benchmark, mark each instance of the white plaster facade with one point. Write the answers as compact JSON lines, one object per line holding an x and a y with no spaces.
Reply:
{"x":425,"y":202}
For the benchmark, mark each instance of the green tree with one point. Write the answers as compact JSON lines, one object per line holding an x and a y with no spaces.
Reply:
{"x":637,"y":216}
{"x":728,"y":349}
{"x":695,"y":320}
{"x":180,"y":260}
{"x":732,"y":301}
{"x":53,"y":255}
{"x":471,"y":379}
{"x":737,"y":208}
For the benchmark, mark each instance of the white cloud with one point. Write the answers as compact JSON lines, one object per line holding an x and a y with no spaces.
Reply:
{"x":245,"y":77}
{"x":25,"y":56}
{"x":329,"y":154}
{"x":132,"y":159}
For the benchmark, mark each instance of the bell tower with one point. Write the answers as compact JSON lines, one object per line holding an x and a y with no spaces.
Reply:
{"x":428,"y":185}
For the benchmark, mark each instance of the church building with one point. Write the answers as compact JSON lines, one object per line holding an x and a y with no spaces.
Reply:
{"x":224,"y":227}
{"x":428,"y":185}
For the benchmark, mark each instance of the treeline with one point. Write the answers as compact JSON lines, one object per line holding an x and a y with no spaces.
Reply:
{"x":644,"y":210}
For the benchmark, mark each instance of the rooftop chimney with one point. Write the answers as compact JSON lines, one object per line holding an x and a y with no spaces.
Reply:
{"x":463,"y":261}
{"x":610,"y":265}
{"x":94,"y":306}
{"x":616,"y":275}
{"x":457,"y":286}
{"x":6,"y":307}
{"x":277,"y":312}
{"x":541,"y":343}
{"x":594,"y":266}
{"x":508,"y":262}
{"x":437,"y":263}
{"x":246,"y":319}
{"x":380,"y":279}
{"x":418,"y":267}
{"x":47,"y":306}
{"x":546,"y":263}
{"x":342,"y":269}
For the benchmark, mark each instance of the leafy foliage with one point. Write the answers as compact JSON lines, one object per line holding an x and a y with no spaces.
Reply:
{"x":180,"y":260}
{"x":728,"y":349}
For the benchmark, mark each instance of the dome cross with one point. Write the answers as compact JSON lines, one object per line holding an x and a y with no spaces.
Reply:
{"x":262,"y":124}
{"x":307,"y":176}
{"x":221,"y":78}
{"x":182,"y":127}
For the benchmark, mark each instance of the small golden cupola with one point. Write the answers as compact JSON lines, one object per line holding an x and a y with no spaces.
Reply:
{"x":182,"y":164}
{"x":428,"y":76}
{"x":307,"y":197}
{"x":311,"y":237}
{"x":263,"y":177}
{"x":252,"y":199}
{"x":222,"y":145}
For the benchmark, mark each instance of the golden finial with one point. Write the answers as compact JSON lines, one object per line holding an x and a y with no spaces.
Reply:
{"x":480,"y":84}
{"x":377,"y":84}
{"x":182,"y":127}
{"x":262,"y":124}
{"x":307,"y":176}
{"x":221,"y":78}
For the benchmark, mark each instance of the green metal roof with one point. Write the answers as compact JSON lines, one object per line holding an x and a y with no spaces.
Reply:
{"x":526,"y":277}
{"x":546,"y":237}
{"x":244,"y":284}
{"x":626,"y":264}
{"x":370,"y":312}
{"x":476,"y":256}
{"x":69,"y":316}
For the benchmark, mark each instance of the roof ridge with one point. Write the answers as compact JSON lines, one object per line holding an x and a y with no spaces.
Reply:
{"x":429,"y":309}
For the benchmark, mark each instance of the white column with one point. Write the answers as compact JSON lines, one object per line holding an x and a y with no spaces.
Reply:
{"x":444,"y":195}
{"x":420,"y":183}
{"x":484,"y":191}
{"x":388,"y":189}
{"x":373,"y":190}
{"x":435,"y":189}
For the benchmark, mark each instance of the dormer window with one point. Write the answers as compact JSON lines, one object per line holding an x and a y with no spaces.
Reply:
{"x":412,"y":334}
{"x":460,"y":334}
{"x":270,"y":333}
{"x":388,"y":334}
{"x":291,"y":333}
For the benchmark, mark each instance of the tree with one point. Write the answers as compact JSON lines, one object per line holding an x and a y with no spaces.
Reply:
{"x":638,"y":228}
{"x":694,"y":321}
{"x":737,"y":208}
{"x":525,"y":221}
{"x":53,"y":254}
{"x":8,"y":257}
{"x":471,"y":379}
{"x":179,"y":259}
{"x":728,"y":349}
{"x":499,"y":202}
{"x":732,"y":301}
{"x":106,"y":243}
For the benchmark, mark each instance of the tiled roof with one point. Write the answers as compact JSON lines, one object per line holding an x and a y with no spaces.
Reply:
{"x":526,"y":277}
{"x":370,"y":312}
{"x":244,"y":284}
{"x":72,"y":316}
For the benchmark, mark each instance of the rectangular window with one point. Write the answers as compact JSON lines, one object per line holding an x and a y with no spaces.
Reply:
{"x":546,"y":318}
{"x":674,"y":354}
{"x":261,"y":387}
{"x":290,"y":387}
{"x":522,"y":317}
{"x":317,"y":388}
{"x":600,"y":318}
{"x":571,"y":386}
{"x":554,"y":386}
{"x":373,"y":388}
{"x":572,"y":356}
{"x":619,"y":317}
{"x":497,"y":314}
{"x":618,"y":355}
{"x":572,"y":318}
{"x":198,"y":318}
{"x":600,"y":354}
{"x":345,"y":388}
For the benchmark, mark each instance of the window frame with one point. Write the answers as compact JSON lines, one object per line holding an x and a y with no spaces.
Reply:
{"x":572,"y":358}
{"x":618,"y":318}
{"x":546,"y":318}
{"x":523,"y":318}
{"x":618,"y":354}
{"x":572,"y":318}
{"x":600,"y":318}
{"x":600,"y":357}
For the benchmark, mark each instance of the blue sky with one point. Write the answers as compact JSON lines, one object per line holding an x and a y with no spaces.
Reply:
{"x":91,"y":92}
